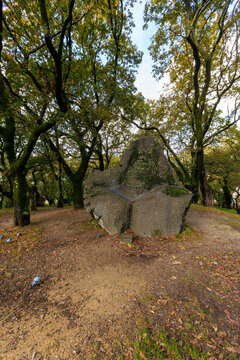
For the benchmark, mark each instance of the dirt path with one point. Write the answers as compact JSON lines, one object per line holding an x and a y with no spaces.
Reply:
{"x":95,"y":292}
{"x":219,"y":235}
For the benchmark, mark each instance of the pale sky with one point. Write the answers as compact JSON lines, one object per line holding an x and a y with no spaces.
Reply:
{"x":145,"y":82}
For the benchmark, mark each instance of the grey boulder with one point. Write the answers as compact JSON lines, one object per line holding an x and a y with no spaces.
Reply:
{"x":141,"y":194}
{"x":159,"y":213}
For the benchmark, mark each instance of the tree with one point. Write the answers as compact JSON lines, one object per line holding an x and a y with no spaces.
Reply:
{"x":197,"y":43}
{"x":30,"y":92}
{"x":20,"y":125}
{"x":223,"y":168}
{"x":45,"y":178}
{"x":113,"y":139}
{"x":105,"y":62}
{"x":53,"y":61}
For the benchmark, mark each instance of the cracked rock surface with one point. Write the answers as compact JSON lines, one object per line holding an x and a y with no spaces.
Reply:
{"x":141,"y":194}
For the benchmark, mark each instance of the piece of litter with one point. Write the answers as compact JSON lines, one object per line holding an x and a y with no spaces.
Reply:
{"x":126,"y":239}
{"x":36,"y":281}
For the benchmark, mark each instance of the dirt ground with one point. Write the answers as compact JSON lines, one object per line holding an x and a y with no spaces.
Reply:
{"x":95,"y":293}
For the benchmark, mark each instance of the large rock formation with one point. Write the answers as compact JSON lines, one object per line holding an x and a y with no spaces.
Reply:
{"x":141,"y":194}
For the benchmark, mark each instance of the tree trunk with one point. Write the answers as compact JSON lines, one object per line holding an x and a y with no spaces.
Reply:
{"x":101,"y":161}
{"x":227,"y":203}
{"x":60,"y":202}
{"x":60,"y":189}
{"x":33,"y":197}
{"x":194,"y":178}
{"x":20,"y":200}
{"x":50,"y":201}
{"x":68,"y":197}
{"x":208,"y":200}
{"x":77,"y":185}
{"x":200,"y":181}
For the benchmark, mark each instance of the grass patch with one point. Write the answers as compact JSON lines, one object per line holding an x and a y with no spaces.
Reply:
{"x":233,"y":224}
{"x":186,"y":231}
{"x":157,"y":232}
{"x":216,"y":210}
{"x":230,"y":211}
{"x":40,"y":208}
{"x":159,"y":345}
{"x":6,"y":211}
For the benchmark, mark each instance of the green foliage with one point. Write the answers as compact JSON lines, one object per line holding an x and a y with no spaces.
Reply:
{"x":70,"y":65}
{"x":223,"y":167}
{"x":196,"y":45}
{"x":7,"y":203}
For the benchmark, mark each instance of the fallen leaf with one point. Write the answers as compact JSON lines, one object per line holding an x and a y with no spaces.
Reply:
{"x":142,"y":355}
{"x":234,"y":322}
{"x":215,"y":328}
{"x":233,"y":349}
{"x":222,"y":334}
{"x":227,"y":312}
{"x":162,"y":301}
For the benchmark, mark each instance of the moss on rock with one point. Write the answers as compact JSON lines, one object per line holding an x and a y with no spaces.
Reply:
{"x":175,"y":191}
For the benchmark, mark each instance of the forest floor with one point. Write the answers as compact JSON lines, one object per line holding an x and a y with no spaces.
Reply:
{"x":95,"y":293}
